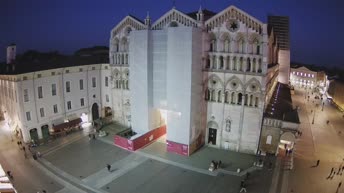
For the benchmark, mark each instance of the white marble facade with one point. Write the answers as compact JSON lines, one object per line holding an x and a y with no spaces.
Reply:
{"x":219,"y":73}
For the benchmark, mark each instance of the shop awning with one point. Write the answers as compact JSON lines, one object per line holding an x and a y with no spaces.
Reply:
{"x":71,"y":123}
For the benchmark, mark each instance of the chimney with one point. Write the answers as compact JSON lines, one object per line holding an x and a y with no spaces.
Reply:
{"x":11,"y":53}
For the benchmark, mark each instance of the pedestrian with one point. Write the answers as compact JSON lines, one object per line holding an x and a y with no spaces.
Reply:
{"x":89,"y":136}
{"x":247,"y":175}
{"x":243,"y":186}
{"x":318,"y":163}
{"x":339,"y":185}
{"x":329,"y":176}
{"x":43,"y":191}
{"x":9,"y":174}
{"x":108,"y":166}
{"x":220,"y":163}
{"x":286,"y":152}
{"x":18,"y":143}
{"x":24,"y":148}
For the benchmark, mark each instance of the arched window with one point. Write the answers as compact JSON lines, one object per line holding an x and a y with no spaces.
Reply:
{"x":207,"y":94}
{"x":240,"y":64}
{"x":213,"y":45}
{"x":256,"y":102}
{"x":221,"y":62}
{"x":219,"y":96}
{"x":268,"y":139}
{"x":126,"y":59}
{"x":127,"y":84}
{"x":246,"y":100}
{"x":248,"y":65}
{"x":251,"y":100}
{"x":226,"y":97}
{"x":117,"y":84}
{"x":212,"y":95}
{"x":122,"y":58}
{"x":233,"y":98}
{"x":239,"y":99}
{"x":235,"y":63}
{"x":254,"y":65}
{"x":228,"y":125}
{"x":241,"y":46}
{"x":227,"y":45}
{"x":207,"y":65}
{"x":259,"y":65}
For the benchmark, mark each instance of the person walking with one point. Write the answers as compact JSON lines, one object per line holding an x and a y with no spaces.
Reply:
{"x":243,"y":186}
{"x":329,"y":176}
{"x":108,"y":166}
{"x":339,"y":185}
{"x":318,"y":162}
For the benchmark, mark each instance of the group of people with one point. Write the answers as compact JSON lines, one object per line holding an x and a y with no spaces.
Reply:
{"x":215,"y":165}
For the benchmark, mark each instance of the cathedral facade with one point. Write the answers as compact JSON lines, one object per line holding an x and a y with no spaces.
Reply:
{"x":205,"y":76}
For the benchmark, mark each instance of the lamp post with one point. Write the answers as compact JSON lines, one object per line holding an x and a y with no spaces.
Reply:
{"x":313,"y":117}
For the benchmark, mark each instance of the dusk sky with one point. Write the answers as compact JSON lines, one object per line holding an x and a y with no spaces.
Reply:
{"x":316,"y":27}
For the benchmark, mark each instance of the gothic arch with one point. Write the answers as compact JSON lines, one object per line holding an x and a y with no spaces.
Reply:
{"x":253,"y":81}
{"x":215,"y":77}
{"x":212,"y":124}
{"x":229,"y":87}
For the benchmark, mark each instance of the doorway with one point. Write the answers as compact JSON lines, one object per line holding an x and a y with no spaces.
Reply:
{"x":45,"y":131}
{"x":212,"y":136}
{"x":95,"y":112}
{"x":34,"y":135}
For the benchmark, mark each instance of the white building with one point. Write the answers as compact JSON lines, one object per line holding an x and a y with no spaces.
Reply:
{"x":36,"y":101}
{"x":203,"y":74}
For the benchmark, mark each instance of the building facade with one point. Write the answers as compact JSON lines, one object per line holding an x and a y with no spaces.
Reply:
{"x":34,"y":102}
{"x":204,"y":75}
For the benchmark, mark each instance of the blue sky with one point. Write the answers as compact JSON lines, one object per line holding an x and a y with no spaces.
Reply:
{"x":316,"y":26}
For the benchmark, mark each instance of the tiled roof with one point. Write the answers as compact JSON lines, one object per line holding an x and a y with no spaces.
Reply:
{"x":32,"y":61}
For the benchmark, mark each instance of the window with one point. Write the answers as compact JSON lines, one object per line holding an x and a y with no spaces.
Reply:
{"x":312,"y":75}
{"x":69,"y":105}
{"x":53,"y":89}
{"x":28,"y":116}
{"x":67,"y":71}
{"x":26,"y":95}
{"x":94,"y":82}
{"x":40,"y":92}
{"x":228,"y":125}
{"x":55,"y":109}
{"x":93,"y":68}
{"x":52,"y":73}
{"x":41,"y":111}
{"x":67,"y":86}
{"x":106,"y":81}
{"x":80,"y":69}
{"x":107,"y":98}
{"x":82,"y":102}
{"x":81,"y":83}
{"x":39,"y":75}
{"x":268,"y":139}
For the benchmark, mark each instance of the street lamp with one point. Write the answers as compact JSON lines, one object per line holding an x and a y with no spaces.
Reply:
{"x":322,"y":109}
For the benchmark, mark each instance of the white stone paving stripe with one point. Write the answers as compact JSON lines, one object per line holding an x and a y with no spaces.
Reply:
{"x":68,"y":186}
{"x":69,"y":177}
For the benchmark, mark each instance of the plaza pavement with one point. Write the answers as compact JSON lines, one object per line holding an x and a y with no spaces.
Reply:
{"x":319,"y":141}
{"x":81,"y":162}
